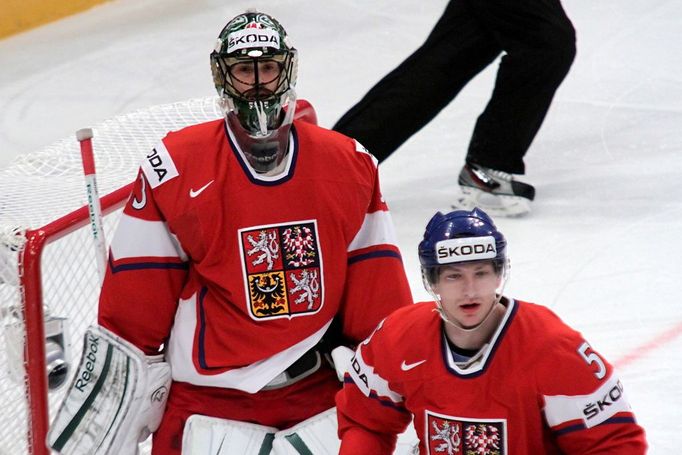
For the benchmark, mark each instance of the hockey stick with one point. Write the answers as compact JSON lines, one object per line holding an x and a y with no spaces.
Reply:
{"x":84,"y":137}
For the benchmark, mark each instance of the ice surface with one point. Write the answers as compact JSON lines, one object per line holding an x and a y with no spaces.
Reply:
{"x":602,"y":247}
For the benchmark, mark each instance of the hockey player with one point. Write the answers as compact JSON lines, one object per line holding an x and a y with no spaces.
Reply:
{"x":249,"y":248}
{"x":482,"y":373}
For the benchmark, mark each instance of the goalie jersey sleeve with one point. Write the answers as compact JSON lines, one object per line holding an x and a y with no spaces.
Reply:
{"x":146,"y":273}
{"x":238,"y":274}
{"x":538,"y":388}
{"x":375,"y":271}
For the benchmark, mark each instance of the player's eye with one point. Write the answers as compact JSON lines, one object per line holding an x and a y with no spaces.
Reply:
{"x":242,"y":69}
{"x":453,"y":276}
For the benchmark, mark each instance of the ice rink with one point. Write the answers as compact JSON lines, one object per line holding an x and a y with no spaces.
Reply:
{"x":603,"y":246}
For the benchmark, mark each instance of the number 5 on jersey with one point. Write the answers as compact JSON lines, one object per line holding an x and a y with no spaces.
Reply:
{"x":590,"y":357}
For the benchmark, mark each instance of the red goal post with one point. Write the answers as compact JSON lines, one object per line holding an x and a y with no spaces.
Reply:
{"x":48,"y":273}
{"x":39,"y":408}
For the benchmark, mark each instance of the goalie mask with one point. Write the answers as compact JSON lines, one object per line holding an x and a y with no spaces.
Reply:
{"x":461,"y":237}
{"x":254,"y":71}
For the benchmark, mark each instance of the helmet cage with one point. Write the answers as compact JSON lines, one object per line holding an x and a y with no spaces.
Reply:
{"x":258,"y":108}
{"x":225,"y":77}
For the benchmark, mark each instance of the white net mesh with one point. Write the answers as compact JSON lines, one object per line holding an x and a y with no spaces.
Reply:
{"x":47,"y":185}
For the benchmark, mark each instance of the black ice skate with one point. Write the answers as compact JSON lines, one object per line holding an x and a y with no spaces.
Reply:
{"x":496,"y":192}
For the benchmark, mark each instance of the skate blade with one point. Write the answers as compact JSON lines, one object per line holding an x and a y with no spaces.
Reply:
{"x":493,"y":204}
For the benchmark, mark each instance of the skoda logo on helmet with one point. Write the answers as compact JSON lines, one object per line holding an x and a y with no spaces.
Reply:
{"x":465,"y":249}
{"x":252,"y":37}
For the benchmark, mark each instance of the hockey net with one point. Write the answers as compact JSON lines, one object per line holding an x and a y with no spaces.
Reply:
{"x":48,"y":274}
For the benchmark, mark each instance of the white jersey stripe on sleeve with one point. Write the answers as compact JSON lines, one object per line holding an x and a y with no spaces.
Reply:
{"x":592,"y":409}
{"x":362,"y":149}
{"x":377,"y":229}
{"x":141,"y":238}
{"x":368,"y":381}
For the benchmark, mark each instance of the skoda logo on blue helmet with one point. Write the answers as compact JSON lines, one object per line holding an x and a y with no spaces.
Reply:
{"x":465,"y":249}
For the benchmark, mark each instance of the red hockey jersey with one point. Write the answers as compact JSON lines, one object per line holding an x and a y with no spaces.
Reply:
{"x":238,"y":273}
{"x":538,"y":388}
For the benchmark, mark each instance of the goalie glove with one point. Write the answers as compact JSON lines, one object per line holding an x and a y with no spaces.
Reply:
{"x":116,"y":399}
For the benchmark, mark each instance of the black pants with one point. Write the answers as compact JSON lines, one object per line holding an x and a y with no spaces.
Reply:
{"x":539,"y":41}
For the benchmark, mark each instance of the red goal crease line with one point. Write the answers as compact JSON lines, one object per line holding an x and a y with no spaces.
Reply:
{"x":644,"y":349}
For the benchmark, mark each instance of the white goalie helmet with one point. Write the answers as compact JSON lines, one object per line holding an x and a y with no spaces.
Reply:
{"x":254,"y":71}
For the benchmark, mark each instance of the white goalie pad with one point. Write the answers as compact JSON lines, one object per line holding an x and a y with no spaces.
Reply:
{"x":116,"y":399}
{"x":203,"y":434}
{"x":316,"y":435}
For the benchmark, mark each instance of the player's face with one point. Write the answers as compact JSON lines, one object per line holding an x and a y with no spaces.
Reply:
{"x":467,"y":291}
{"x":256,"y":78}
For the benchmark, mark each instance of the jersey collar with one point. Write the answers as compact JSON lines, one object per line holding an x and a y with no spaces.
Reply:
{"x":283,"y":173}
{"x":479,"y":363}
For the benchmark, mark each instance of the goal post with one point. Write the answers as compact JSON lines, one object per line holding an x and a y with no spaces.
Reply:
{"x":29,"y":265}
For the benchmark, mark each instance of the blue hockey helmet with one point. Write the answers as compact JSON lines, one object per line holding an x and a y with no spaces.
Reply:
{"x":461,"y":236}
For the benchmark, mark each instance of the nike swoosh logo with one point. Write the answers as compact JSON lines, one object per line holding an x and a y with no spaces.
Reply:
{"x":408,"y":366}
{"x":196,"y":193}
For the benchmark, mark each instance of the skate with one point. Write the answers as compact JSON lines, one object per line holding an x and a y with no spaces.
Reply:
{"x":496,"y":192}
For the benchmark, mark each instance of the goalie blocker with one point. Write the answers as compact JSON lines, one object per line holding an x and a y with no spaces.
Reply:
{"x":116,"y":399}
